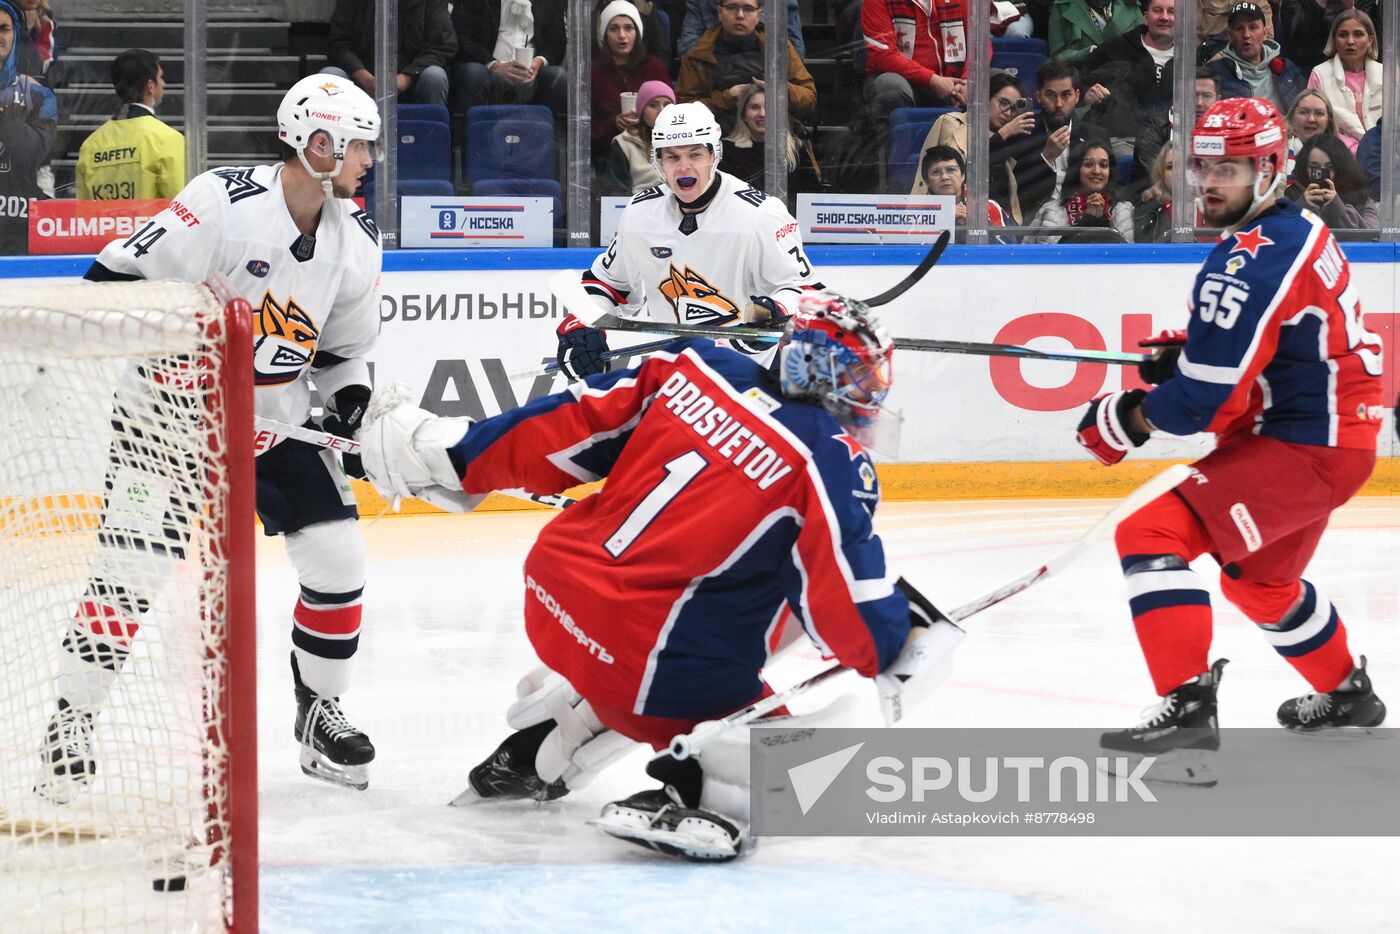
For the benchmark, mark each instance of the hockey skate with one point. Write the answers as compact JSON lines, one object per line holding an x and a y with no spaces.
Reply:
{"x":508,"y":774}
{"x":68,"y":760}
{"x":332,"y":748}
{"x":659,"y":820}
{"x":1352,"y":706}
{"x":1181,"y":735}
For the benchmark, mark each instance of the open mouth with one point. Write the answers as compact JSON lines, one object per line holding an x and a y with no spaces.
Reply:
{"x":687,"y":182}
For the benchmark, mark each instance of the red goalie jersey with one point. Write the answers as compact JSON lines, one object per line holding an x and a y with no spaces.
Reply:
{"x":724,"y":504}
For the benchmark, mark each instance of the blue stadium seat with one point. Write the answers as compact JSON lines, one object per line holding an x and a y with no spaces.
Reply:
{"x":1021,"y":64}
{"x":425,"y":150}
{"x":1124,"y":169}
{"x":433,"y":113}
{"x":509,"y":149}
{"x":908,"y":127}
{"x":1028,"y":44}
{"x":524,"y":188}
{"x":488,"y":113}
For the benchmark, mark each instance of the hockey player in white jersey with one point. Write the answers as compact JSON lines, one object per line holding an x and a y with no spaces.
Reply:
{"x":307,"y":260}
{"x":701,"y":248}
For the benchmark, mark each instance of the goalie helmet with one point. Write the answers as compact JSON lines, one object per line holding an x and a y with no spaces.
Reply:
{"x":326,"y":103}
{"x":1242,"y":128}
{"x":835,"y":353}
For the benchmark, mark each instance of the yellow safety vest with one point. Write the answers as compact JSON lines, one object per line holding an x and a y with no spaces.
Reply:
{"x":131,"y":157}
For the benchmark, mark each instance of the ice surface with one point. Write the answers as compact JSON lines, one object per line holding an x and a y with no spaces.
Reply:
{"x":443,"y":646}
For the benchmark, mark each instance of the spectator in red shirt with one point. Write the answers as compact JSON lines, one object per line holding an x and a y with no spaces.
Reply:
{"x":916,"y":54}
{"x":621,"y":64}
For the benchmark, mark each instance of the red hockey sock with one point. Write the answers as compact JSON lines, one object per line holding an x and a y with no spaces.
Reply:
{"x":1169,"y":601}
{"x":1308,"y":633}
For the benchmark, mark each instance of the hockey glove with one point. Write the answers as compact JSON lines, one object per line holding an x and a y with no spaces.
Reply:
{"x":1104,"y":428}
{"x":344,"y":412}
{"x":765,"y":312}
{"x":580,"y":349}
{"x":1166,"y":350}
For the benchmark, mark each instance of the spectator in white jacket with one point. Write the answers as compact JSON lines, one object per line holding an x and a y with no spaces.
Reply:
{"x":1351,"y":77}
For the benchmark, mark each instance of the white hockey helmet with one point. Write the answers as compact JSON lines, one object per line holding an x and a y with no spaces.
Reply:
{"x":687,"y":124}
{"x":331,"y":104}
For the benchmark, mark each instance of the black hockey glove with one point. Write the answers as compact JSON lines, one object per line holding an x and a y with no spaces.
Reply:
{"x":344,"y":412}
{"x":763,"y":312}
{"x":580,"y":351}
{"x":922,"y":612}
{"x":1166,"y":350}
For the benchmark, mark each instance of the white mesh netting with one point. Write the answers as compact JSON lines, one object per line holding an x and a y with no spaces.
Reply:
{"x":113,"y":492}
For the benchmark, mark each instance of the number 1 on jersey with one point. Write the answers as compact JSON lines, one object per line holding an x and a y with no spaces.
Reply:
{"x":679,"y":473}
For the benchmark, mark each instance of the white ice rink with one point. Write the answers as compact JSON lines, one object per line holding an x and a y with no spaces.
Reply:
{"x":443,"y":646}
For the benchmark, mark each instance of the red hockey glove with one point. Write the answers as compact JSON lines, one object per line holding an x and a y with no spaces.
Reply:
{"x":1166,"y":348}
{"x":1104,"y":428}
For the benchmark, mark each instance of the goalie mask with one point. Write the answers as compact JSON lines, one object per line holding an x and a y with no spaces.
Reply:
{"x":836,"y":354}
{"x":329,"y":104}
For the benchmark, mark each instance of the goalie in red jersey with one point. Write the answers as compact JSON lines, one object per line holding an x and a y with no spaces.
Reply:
{"x":1277,"y":362}
{"x":734,"y":497}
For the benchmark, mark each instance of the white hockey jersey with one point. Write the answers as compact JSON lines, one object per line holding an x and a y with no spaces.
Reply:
{"x":701,"y":268}
{"x":325,"y":301}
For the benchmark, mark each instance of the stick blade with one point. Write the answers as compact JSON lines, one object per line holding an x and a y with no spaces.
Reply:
{"x":568,"y":289}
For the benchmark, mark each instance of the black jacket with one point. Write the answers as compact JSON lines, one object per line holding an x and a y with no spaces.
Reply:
{"x":1137,"y":85}
{"x":1035,"y":179}
{"x":478,"y":22}
{"x":425,"y":36}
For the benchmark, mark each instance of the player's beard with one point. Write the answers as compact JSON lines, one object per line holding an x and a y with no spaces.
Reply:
{"x":1227,"y":215}
{"x":340,"y":190}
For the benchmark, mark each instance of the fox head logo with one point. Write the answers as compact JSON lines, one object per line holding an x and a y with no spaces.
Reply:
{"x":285,"y":341}
{"x":694,"y":299}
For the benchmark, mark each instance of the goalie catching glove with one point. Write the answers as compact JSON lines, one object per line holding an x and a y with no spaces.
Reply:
{"x":1105,"y":429}
{"x":404,"y":451}
{"x":924,"y":663}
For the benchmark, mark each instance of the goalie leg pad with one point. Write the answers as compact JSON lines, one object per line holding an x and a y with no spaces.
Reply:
{"x":580,"y":746}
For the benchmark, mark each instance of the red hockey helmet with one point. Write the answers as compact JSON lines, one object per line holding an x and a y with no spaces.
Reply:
{"x":1242,"y":128}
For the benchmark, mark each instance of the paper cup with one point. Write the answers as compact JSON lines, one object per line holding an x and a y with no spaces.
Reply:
{"x":525,"y":56}
{"x":628,"y":100}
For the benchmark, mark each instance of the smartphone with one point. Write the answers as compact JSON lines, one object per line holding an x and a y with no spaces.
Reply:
{"x":1319,"y":174}
{"x":1022,"y":105}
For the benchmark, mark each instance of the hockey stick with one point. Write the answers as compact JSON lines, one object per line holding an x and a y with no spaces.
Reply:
{"x":324,"y":439}
{"x":687,"y":745}
{"x":570,"y":292}
{"x":620,"y":353}
{"x":918,"y":272}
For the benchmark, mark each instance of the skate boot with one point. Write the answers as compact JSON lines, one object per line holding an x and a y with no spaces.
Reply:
{"x":1351,"y":704}
{"x":1180,"y":734}
{"x":659,"y":820}
{"x":508,"y":774}
{"x":69,"y":764}
{"x":332,"y":748}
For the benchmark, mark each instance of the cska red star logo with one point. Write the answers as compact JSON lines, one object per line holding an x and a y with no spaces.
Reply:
{"x":852,"y":445}
{"x":1251,"y":241}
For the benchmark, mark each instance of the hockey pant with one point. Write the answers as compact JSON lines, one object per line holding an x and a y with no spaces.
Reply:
{"x":1171,"y":607}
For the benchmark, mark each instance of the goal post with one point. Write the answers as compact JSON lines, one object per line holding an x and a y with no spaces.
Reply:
{"x":128,"y":724}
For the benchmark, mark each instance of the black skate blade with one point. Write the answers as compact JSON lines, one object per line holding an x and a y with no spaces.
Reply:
{"x":316,"y":766}
{"x":1174,"y":768}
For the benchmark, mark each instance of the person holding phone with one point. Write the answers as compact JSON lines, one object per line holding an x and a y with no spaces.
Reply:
{"x":1328,"y":181}
{"x":1010,"y":116}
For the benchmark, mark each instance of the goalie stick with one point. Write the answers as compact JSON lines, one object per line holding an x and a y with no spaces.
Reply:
{"x":686,"y":745}
{"x":324,"y":439}
{"x":570,"y":292}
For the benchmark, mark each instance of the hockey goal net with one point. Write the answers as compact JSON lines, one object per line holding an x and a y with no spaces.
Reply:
{"x":128,"y":792}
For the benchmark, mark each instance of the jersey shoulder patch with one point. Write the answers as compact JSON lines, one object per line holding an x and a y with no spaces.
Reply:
{"x":240,"y":184}
{"x":647,"y":194}
{"x":367,"y":224}
{"x":752,"y":196}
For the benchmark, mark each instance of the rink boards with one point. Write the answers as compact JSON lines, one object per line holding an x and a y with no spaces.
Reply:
{"x":457,"y":324}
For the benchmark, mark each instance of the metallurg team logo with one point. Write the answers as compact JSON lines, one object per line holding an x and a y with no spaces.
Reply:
{"x":694,"y":299}
{"x":285,"y":341}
